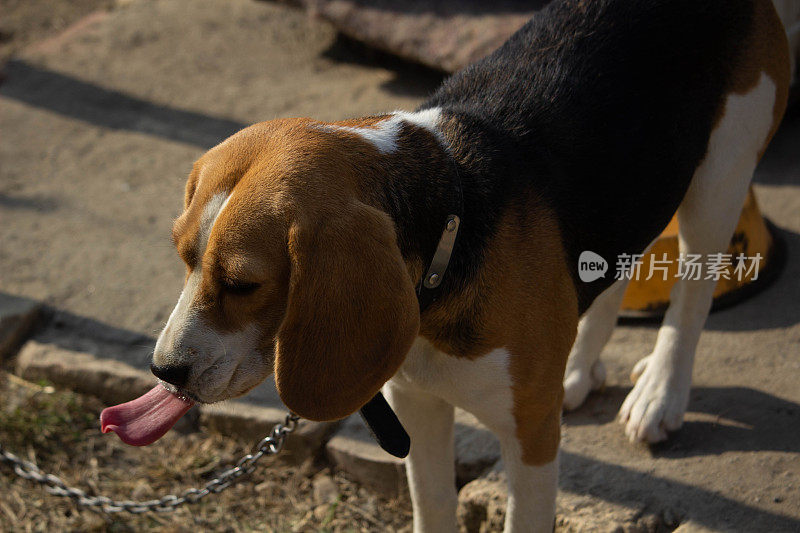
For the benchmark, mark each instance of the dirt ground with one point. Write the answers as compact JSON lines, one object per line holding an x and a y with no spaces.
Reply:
{"x":99,"y":127}
{"x":58,"y":431}
{"x":27,"y":21}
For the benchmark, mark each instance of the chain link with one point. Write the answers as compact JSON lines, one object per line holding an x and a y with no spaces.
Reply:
{"x":270,"y":445}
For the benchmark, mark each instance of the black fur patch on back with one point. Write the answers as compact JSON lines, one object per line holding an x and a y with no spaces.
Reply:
{"x":604,"y":108}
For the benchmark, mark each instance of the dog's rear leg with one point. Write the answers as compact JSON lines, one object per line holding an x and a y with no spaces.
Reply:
{"x":707,"y":217}
{"x":431,"y":461}
{"x":585,"y":372}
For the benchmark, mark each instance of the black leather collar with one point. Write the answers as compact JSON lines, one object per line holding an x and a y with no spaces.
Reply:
{"x":377,"y":414}
{"x":427,"y":292}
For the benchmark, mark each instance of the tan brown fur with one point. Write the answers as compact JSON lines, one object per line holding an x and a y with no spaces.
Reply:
{"x":352,"y":312}
{"x":523,"y":300}
{"x":766,"y":50}
{"x":362,"y":122}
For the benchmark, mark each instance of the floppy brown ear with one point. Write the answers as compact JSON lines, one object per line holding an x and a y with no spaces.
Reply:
{"x":191,"y":185}
{"x":351,"y":313}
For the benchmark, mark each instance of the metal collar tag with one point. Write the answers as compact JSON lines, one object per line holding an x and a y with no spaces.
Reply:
{"x":441,"y":258}
{"x":377,"y":413}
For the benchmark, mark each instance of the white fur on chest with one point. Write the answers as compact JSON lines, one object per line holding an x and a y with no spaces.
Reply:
{"x":481,"y":386}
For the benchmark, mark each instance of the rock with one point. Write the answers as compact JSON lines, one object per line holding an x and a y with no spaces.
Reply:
{"x":482,"y":508}
{"x":444,"y":34}
{"x":324,"y":489}
{"x":111,"y":381}
{"x":576,"y":513}
{"x":252,"y":421}
{"x":18,"y":316}
{"x":254,"y":415}
{"x":482,"y":503}
{"x":353,"y":450}
{"x":690,"y":526}
{"x":321,"y":512}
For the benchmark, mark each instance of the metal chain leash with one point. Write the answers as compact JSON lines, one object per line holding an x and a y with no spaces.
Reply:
{"x":270,"y":445}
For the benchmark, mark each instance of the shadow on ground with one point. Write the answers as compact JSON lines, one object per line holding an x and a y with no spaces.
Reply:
{"x":409,"y":79}
{"x":446,"y":8}
{"x":781,"y":161}
{"x":83,"y":334}
{"x":68,"y":96}
{"x":775,"y":307}
{"x":617,"y":484}
{"x":42,"y":204}
{"x":719,"y":419}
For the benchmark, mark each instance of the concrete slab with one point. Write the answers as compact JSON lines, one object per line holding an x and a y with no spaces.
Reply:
{"x":353,"y":450}
{"x":482,"y":503}
{"x":443,"y":34}
{"x":255,"y":421}
{"x":112,"y":381}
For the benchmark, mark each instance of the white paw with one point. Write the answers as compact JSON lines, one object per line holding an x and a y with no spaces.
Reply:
{"x":657,"y":402}
{"x":638,"y":368}
{"x":578,"y":383}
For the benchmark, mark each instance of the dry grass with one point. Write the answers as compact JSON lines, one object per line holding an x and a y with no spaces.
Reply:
{"x":59,"y":431}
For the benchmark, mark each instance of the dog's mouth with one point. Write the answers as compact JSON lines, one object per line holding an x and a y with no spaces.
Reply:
{"x":182,"y":394}
{"x":146,"y":419}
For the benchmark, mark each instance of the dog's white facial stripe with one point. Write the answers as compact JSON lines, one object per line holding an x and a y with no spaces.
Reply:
{"x":384,"y":134}
{"x":179,"y":321}
{"x":211,"y":212}
{"x":183,"y":317}
{"x":182,"y":312}
{"x":222,"y":363}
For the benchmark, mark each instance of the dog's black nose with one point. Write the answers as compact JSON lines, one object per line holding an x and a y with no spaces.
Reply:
{"x":177,"y":375}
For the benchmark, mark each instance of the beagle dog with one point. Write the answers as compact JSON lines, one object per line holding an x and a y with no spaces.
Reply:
{"x":434,"y":254}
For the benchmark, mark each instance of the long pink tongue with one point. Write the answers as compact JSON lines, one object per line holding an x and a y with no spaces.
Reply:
{"x":146,"y":419}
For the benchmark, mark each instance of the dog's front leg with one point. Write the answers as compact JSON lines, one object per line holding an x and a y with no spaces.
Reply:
{"x":431,"y":463}
{"x":531,"y":491}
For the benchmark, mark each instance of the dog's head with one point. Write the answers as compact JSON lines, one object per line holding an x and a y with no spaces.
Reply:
{"x":288,"y":269}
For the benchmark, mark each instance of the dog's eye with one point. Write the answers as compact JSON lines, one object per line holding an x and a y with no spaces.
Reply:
{"x":240,"y":288}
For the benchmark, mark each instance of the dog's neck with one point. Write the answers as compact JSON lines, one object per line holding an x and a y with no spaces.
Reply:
{"x":419,"y":186}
